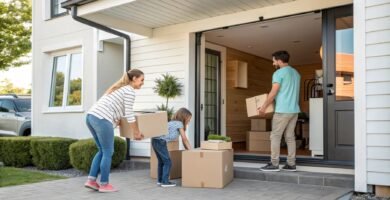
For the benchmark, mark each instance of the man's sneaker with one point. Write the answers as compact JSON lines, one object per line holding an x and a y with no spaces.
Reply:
{"x":158,"y":183}
{"x":169,"y":184}
{"x":92,"y":185}
{"x":107,"y":188}
{"x":270,"y":168}
{"x":291,"y":168}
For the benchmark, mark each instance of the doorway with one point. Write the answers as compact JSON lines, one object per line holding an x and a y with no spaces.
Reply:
{"x":308,"y":39}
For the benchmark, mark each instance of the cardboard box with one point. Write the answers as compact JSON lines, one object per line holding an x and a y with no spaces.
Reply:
{"x":150,"y":124}
{"x":214,"y":145}
{"x":253,"y":103}
{"x":207,"y":168}
{"x":175,"y":156}
{"x":261,"y":125}
{"x":258,"y":141}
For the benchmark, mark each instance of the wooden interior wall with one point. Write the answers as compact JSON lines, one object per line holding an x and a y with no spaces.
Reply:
{"x":260,"y":72}
{"x":259,"y":81}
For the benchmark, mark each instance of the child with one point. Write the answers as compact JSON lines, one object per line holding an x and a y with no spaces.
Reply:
{"x":177,"y":126}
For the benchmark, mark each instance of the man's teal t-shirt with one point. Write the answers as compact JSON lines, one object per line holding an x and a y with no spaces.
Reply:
{"x":287,"y":99}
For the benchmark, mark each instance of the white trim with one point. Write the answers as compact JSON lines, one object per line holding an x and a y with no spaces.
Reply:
{"x":100,"y":5}
{"x":94,"y":69}
{"x":63,"y":46}
{"x":64,"y":107}
{"x":69,"y":109}
{"x":222,"y":50}
{"x":360,"y":95}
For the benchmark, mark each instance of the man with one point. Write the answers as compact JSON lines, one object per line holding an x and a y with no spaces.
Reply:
{"x":285,"y":92}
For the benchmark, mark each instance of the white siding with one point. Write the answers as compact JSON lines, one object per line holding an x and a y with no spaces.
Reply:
{"x":156,"y":56}
{"x":378,"y":91}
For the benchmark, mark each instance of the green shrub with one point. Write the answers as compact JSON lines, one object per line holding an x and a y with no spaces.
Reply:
{"x":219,"y":137}
{"x":82,"y":152}
{"x":51,"y":153}
{"x":15,"y":151}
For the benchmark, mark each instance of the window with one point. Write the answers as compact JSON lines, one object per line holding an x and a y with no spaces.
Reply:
{"x":66,"y":83}
{"x":7,"y":106}
{"x":56,"y":9}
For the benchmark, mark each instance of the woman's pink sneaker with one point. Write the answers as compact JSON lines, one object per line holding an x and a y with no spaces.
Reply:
{"x":92,"y":185}
{"x":107,"y":188}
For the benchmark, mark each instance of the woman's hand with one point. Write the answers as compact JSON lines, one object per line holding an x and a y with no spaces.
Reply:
{"x":138,"y":135}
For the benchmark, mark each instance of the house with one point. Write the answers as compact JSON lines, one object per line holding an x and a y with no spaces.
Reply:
{"x":220,"y":50}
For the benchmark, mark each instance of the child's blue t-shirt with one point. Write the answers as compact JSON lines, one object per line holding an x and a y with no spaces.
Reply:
{"x":173,"y":131}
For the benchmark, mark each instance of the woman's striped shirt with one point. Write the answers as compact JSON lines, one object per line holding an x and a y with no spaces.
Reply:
{"x":115,"y":105}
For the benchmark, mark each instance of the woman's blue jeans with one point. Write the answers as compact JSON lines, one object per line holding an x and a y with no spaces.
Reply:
{"x":103,"y":132}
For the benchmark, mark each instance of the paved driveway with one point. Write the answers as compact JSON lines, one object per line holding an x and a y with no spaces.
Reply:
{"x":137,"y":185}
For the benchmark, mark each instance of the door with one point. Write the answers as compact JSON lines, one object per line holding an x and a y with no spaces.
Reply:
{"x":339,"y":98}
{"x":212,"y":93}
{"x":8,"y":119}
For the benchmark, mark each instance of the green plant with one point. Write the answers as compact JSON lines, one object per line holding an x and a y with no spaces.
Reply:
{"x":219,"y":137}
{"x":83,"y":151}
{"x":15,"y":151}
{"x":168,"y":87}
{"x":51,"y":153}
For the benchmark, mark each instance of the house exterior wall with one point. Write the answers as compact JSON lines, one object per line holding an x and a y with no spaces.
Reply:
{"x":377,"y":56}
{"x":110,"y":65}
{"x":51,"y":36}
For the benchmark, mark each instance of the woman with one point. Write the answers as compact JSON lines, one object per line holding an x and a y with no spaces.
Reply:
{"x":117,"y":102}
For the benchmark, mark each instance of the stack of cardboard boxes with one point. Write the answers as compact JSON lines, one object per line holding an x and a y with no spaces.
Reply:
{"x":211,"y":166}
{"x":258,"y":139}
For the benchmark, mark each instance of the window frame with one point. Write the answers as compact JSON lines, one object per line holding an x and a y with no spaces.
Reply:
{"x":52,"y":15}
{"x":64,"y":107}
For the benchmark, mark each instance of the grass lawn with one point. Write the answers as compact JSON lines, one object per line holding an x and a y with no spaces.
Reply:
{"x":16,"y":176}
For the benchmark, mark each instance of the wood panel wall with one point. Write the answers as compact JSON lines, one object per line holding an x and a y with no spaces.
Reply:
{"x":260,"y":72}
{"x":259,"y":81}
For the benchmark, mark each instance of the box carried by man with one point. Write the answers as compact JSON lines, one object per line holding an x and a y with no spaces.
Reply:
{"x":253,"y":103}
{"x":151,"y":124}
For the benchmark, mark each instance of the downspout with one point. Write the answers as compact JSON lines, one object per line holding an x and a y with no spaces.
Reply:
{"x":114,"y":32}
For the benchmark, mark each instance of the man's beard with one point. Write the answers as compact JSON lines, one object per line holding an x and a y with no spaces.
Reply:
{"x":277,"y":67}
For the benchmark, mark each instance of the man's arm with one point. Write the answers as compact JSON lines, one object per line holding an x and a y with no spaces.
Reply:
{"x":271,"y":97}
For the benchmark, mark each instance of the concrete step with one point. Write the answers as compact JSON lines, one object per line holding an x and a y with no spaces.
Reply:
{"x":305,"y":178}
{"x":299,"y":177}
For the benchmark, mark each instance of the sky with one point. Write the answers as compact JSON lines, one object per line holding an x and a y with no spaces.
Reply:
{"x":19,"y":76}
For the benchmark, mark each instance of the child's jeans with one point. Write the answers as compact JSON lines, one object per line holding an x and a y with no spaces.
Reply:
{"x":164,"y":161}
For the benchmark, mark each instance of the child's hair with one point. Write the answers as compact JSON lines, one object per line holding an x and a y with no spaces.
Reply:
{"x":125,"y":80}
{"x":182,"y":115}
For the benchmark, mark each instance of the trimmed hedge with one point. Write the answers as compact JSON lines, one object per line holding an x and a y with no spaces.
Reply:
{"x":82,"y":153}
{"x":51,"y":153}
{"x":15,"y":151}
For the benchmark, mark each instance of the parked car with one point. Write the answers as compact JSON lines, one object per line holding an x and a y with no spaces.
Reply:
{"x":15,"y":115}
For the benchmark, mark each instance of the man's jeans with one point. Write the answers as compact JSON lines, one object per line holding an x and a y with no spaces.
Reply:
{"x":283,"y":123}
{"x":103,"y":132}
{"x":164,"y":161}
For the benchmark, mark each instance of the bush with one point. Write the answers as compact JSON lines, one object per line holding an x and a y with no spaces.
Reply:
{"x":82,"y":152}
{"x":219,"y":137}
{"x":51,"y":153}
{"x":15,"y":151}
